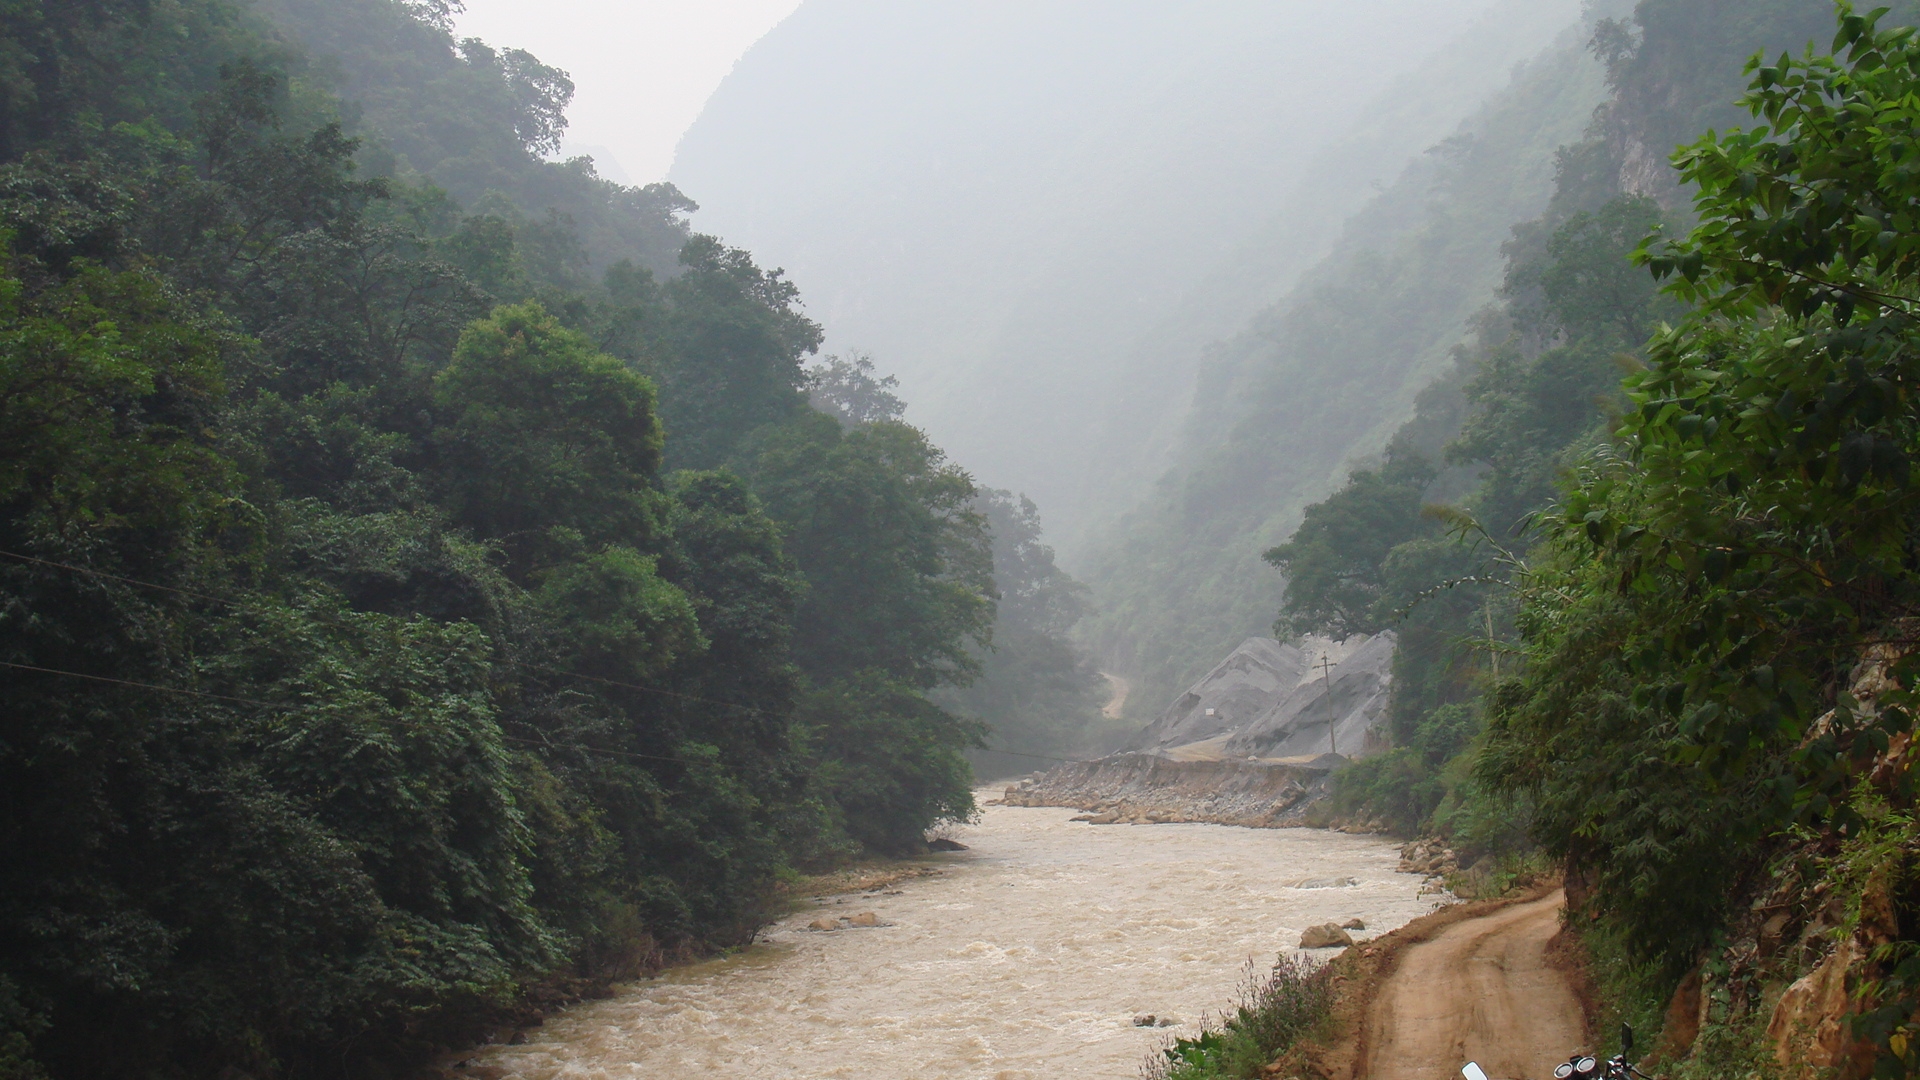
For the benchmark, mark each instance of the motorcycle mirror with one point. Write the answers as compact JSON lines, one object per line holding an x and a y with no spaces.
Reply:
{"x":1626,"y":1040}
{"x":1473,"y":1071}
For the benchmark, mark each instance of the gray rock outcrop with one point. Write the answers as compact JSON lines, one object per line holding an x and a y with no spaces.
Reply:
{"x":1351,"y":696}
{"x":1245,"y":686}
{"x":1325,"y":936}
{"x":1247,"y":745}
{"x":1146,"y":789}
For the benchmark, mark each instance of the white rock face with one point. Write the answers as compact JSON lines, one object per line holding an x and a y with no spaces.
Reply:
{"x":1245,"y":686}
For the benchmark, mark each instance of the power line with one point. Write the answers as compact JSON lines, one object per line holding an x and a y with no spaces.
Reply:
{"x":749,"y":709}
{"x":230,"y":603}
{"x":291,"y":708}
{"x":636,"y":686}
{"x":141,"y":685}
{"x":113,"y":577}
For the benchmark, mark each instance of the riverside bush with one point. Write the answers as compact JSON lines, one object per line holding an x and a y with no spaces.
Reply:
{"x":1272,"y":1013}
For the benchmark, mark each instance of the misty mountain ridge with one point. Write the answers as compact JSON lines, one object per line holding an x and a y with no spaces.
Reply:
{"x":1038,"y":217}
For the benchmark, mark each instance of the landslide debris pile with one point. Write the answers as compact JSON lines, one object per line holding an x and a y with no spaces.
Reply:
{"x":1145,"y":789}
{"x":1273,"y":699}
{"x":1252,"y":743}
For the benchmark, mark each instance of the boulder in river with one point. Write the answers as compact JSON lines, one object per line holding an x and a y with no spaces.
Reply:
{"x":1325,"y":936}
{"x":1429,"y":856}
{"x":1326,"y":883}
{"x":824,"y":923}
{"x":1354,"y":924}
{"x":865,"y":918}
{"x":941,"y":843}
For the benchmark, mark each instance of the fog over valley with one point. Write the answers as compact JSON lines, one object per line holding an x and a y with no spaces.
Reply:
{"x":1039,"y":215}
{"x":959,"y":539}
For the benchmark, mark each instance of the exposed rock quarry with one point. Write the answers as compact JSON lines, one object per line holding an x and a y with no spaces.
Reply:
{"x":1251,"y":743}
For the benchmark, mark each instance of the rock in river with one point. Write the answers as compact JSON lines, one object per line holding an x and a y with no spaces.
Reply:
{"x":1326,"y":883}
{"x":1325,"y":936}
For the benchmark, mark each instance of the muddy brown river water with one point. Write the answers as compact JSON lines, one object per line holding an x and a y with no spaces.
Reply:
{"x":1027,"y":958}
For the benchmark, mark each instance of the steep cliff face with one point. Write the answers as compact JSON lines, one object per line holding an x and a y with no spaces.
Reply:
{"x":1283,"y":409}
{"x":1038,"y":213}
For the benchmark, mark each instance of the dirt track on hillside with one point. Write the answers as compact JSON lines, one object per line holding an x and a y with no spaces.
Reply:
{"x":1482,"y":989}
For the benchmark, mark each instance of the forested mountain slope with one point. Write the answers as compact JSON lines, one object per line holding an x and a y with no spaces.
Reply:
{"x":424,"y":577}
{"x":1662,"y":636}
{"x":477,"y":122}
{"x":1038,"y":214}
{"x":1325,"y":377}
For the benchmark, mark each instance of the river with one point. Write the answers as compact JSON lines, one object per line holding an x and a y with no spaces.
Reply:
{"x":1026,"y":958}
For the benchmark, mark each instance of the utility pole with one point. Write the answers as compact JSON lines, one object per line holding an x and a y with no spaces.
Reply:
{"x":1326,"y":693}
{"x":1493,"y":648}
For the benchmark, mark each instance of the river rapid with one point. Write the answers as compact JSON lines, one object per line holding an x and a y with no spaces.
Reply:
{"x":1027,"y":957}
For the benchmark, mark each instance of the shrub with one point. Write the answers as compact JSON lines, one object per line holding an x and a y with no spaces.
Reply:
{"x":1272,"y":1013}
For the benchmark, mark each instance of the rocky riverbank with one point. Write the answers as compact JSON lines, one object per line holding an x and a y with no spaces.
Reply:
{"x":1146,"y":789}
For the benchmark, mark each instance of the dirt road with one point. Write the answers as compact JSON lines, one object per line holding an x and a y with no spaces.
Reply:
{"x":1483,"y":990}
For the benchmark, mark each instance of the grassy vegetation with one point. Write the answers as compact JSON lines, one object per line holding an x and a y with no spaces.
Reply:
{"x":1631,"y":988}
{"x":1272,"y":1014}
{"x":1628,"y":988}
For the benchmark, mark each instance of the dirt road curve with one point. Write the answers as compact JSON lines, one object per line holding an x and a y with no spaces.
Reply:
{"x":1481,"y":990}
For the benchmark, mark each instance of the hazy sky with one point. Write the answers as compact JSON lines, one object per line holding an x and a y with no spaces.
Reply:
{"x":642,"y":68}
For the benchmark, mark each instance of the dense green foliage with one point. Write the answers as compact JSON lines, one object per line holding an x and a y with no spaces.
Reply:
{"x":1037,"y":696}
{"x":1534,"y":391}
{"x":421,"y":574}
{"x":899,"y":592}
{"x":1704,"y":556}
{"x":1713,"y":582}
{"x":1376,"y":555}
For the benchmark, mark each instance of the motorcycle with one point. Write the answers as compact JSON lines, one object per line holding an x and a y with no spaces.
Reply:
{"x":1584,"y":1066}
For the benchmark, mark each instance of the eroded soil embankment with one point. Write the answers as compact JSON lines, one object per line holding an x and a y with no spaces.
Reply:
{"x":1473,"y":982}
{"x":1147,"y":788}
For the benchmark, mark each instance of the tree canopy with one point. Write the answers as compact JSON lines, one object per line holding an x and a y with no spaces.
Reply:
{"x":422,"y":576}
